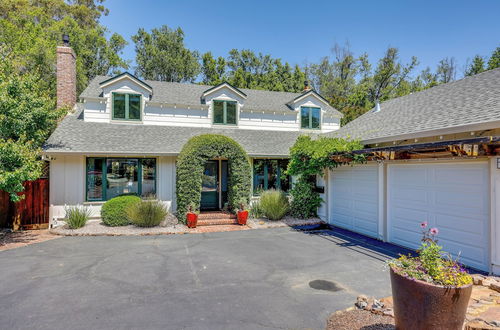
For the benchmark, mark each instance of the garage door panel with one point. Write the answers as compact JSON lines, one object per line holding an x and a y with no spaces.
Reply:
{"x":470,"y":229}
{"x":354,"y":198}
{"x":452,"y":197}
{"x":413,"y":176}
{"x":414,"y":195}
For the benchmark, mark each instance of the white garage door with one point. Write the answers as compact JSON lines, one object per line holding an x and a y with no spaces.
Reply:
{"x":354,"y":198}
{"x":452,"y":197}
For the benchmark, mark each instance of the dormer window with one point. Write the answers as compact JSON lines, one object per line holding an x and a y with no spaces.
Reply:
{"x":310,"y":118}
{"x":224,"y":112}
{"x":126,"y":106}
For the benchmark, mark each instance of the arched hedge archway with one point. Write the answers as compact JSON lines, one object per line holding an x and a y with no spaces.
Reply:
{"x":191,"y":162}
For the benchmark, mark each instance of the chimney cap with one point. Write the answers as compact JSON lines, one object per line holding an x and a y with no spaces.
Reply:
{"x":65,"y":39}
{"x":306,"y":86}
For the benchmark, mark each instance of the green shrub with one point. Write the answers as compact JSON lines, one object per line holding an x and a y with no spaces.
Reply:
{"x":274,"y":204}
{"x":77,"y":216}
{"x":190,"y":165}
{"x":147,"y":213}
{"x":305,"y":201}
{"x":113,"y":212}
{"x":256,"y":210}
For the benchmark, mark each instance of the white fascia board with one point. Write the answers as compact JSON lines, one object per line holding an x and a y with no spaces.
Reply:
{"x":225,"y":85}
{"x":436,"y":132}
{"x":138,"y":82}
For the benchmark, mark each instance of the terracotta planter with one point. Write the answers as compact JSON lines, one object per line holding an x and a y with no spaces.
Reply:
{"x":191,"y":219}
{"x":242,"y":217}
{"x":421,"y":305}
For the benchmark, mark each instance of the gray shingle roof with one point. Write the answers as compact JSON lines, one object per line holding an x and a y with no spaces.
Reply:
{"x":190,"y":94}
{"x":74,"y":135}
{"x":472,"y":100}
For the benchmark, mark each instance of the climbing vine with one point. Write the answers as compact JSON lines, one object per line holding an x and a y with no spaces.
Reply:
{"x":310,"y":157}
{"x":191,"y":162}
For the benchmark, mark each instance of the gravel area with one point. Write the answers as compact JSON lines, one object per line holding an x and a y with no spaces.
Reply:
{"x":285,"y":222}
{"x":97,"y":228}
{"x":359,"y":319}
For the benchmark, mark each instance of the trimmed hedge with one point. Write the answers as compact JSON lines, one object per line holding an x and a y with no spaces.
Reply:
{"x":191,"y":162}
{"x":114,"y":211}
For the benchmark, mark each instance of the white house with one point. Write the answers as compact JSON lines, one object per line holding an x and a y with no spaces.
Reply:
{"x":432,"y":153}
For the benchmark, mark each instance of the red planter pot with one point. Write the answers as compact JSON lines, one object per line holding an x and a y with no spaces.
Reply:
{"x":419,"y":305}
{"x":191,"y":219}
{"x":242,"y":217}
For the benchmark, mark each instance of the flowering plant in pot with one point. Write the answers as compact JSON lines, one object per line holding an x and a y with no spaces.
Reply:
{"x":192,"y":216}
{"x":242,"y":214}
{"x":431,"y":290}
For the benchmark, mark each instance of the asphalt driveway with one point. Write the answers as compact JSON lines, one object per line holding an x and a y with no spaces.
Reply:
{"x":254,"y":279}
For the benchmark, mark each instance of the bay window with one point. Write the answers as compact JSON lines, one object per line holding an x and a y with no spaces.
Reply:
{"x":110,"y":177}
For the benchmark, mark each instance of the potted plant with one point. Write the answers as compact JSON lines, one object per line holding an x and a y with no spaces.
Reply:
{"x":431,"y":290}
{"x":192,"y":216}
{"x":242,"y":214}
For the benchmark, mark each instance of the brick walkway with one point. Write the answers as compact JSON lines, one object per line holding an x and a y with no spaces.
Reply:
{"x":216,"y":228}
{"x":11,"y":240}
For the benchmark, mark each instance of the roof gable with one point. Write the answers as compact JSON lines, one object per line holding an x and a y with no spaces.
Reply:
{"x":224,"y":85}
{"x":126,"y":75}
{"x":311,"y":92}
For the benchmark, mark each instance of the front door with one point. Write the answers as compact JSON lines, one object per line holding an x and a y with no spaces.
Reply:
{"x":210,"y":186}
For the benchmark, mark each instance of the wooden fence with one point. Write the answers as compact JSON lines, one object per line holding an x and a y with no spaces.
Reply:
{"x":32,"y":212}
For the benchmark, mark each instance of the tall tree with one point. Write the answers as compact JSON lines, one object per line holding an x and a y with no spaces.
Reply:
{"x":212,"y":70}
{"x":494,"y":61}
{"x":476,"y":66}
{"x":162,"y":55}
{"x":27,"y":117}
{"x":446,"y":70}
{"x":389,"y":74}
{"x":32,"y":29}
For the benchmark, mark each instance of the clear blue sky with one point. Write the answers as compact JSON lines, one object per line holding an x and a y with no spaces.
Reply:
{"x":304,"y":31}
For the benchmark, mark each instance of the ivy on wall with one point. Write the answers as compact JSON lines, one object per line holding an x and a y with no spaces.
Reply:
{"x":310,"y":157}
{"x":191,"y":163}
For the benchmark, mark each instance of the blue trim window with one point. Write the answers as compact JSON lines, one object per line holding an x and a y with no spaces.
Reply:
{"x":310,"y":118}
{"x":110,"y":177}
{"x":270,"y":174}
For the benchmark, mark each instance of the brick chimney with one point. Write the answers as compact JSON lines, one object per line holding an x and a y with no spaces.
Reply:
{"x":66,"y":74}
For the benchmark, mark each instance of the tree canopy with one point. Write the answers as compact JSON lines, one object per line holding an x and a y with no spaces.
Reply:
{"x":161,"y":55}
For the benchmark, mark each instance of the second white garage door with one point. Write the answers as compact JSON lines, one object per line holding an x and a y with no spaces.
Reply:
{"x":354,"y":198}
{"x":452,"y":197}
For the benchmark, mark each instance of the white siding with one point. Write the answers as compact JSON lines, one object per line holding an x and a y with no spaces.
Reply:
{"x":454,"y":197}
{"x":99,"y":110}
{"x":67,"y":183}
{"x":353,"y":197}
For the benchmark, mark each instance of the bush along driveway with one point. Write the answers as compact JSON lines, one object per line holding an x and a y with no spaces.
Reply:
{"x":253,"y":279}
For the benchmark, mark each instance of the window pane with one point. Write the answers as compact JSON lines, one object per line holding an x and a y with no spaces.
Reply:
{"x":134,"y":106}
{"x":272,"y":174}
{"x":218,"y":112}
{"x":231,"y":113}
{"x":304,"y":117}
{"x":284,"y":179}
{"x":258,"y":175}
{"x":149,"y":177}
{"x":316,"y":117}
{"x":121,"y":177}
{"x":119,"y":106}
{"x":94,"y":179}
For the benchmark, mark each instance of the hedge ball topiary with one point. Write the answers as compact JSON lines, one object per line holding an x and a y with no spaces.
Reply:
{"x":114,"y":211}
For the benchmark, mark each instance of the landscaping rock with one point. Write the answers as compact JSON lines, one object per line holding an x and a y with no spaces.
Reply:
{"x":495,"y":286}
